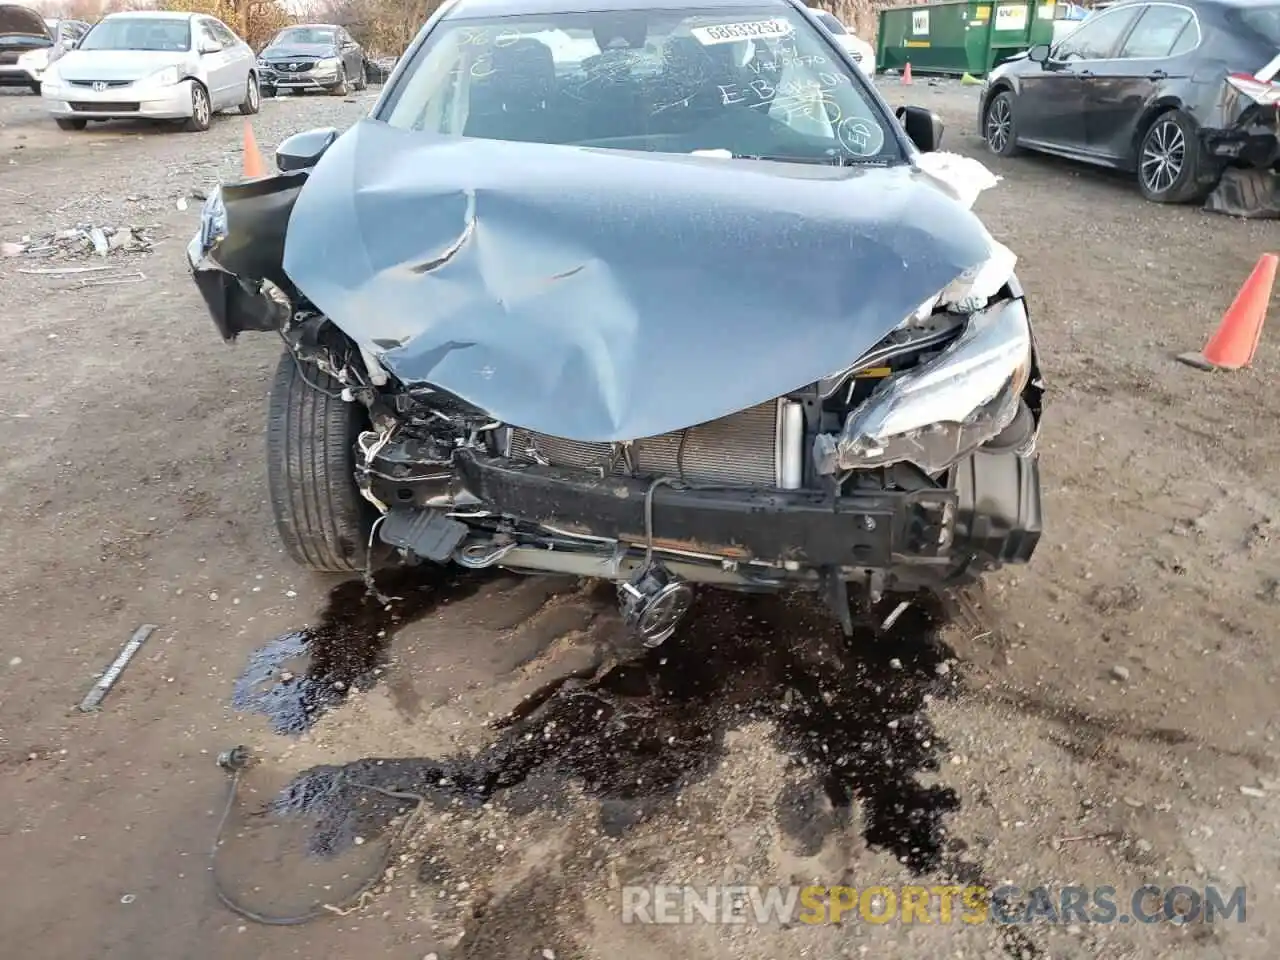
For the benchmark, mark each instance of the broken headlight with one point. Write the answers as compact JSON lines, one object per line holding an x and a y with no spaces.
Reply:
{"x":937,"y":412}
{"x":213,"y":220}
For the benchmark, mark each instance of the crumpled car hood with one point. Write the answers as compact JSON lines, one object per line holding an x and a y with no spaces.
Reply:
{"x":605,"y":295}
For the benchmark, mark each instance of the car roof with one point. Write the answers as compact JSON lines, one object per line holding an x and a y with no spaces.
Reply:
{"x":1224,"y":4}
{"x":508,"y":8}
{"x":153,"y":15}
{"x":311,"y":26}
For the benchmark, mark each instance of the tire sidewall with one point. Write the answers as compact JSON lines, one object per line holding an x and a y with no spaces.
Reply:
{"x":1182,"y":187}
{"x":1009,"y":145}
{"x":252,"y":96}
{"x":197,"y":92}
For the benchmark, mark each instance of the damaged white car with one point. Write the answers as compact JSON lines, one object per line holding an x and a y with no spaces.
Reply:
{"x":695,"y":308}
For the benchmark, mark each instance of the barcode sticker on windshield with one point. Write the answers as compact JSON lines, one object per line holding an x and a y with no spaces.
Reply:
{"x":747,"y":30}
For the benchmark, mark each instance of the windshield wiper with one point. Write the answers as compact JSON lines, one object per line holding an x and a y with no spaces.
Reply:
{"x":839,"y":160}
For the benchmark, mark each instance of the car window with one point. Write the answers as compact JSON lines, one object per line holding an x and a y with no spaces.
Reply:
{"x":830,"y":22}
{"x":756,"y":81}
{"x":1261,"y":21}
{"x":224,"y":33}
{"x":320,"y":35}
{"x":1157,"y":30}
{"x":1096,"y":38}
{"x":208,"y":33}
{"x":139,"y":33}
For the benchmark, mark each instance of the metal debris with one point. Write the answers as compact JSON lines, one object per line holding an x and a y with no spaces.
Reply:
{"x":898,"y":611}
{"x":60,"y":271}
{"x":137,"y":276}
{"x":79,"y":241}
{"x":93,"y":699}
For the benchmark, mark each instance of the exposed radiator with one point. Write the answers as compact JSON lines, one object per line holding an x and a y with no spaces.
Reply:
{"x":744,"y":448}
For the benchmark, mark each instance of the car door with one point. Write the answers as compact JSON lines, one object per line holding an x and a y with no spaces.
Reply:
{"x":1155,"y":53}
{"x":352,"y":59}
{"x":213,"y":61}
{"x":239,"y":61}
{"x":1049,"y":111}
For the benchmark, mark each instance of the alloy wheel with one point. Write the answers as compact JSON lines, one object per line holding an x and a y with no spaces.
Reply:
{"x":999,"y":124}
{"x":200,"y":106}
{"x":253,"y":94}
{"x":1164,"y":151}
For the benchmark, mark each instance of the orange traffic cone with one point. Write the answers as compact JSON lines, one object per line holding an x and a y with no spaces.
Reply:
{"x":906,"y":74}
{"x":1236,"y":340}
{"x":253,"y":163}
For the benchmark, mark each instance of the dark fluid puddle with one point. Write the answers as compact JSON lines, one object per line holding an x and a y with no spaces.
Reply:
{"x":296,"y":677}
{"x":850,"y":711}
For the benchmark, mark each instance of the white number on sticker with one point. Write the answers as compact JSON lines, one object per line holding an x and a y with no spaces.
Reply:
{"x":733,"y":32}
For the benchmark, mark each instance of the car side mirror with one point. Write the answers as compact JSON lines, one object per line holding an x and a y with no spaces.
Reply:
{"x":305,"y":149}
{"x":210,"y":46}
{"x":923,"y":127}
{"x":1039,"y":53}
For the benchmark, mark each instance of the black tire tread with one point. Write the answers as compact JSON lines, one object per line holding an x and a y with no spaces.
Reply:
{"x":246,"y":108}
{"x":321,"y":518}
{"x":1191,"y":188}
{"x":1011,"y":148}
{"x":192,"y":125}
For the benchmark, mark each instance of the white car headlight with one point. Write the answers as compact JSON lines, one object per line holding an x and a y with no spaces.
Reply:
{"x":213,"y":221}
{"x":941,"y":410}
{"x":34,"y":60}
{"x":161,"y":78}
{"x":328,"y":63}
{"x":936,"y":413}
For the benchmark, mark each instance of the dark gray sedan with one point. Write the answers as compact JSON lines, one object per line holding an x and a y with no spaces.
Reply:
{"x":312,"y":56}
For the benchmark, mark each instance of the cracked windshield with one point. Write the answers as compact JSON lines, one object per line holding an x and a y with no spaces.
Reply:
{"x":731,"y":81}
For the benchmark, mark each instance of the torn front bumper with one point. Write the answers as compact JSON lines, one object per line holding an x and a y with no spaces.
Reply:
{"x":241,"y":235}
{"x":990,"y":515}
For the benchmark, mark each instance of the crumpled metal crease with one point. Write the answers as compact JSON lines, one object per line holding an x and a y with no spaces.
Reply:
{"x":604,"y":295}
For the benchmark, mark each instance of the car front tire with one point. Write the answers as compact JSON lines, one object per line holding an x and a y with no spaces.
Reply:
{"x":70,"y":123}
{"x":1169,"y":160}
{"x":252,"y":97}
{"x":342,"y":87}
{"x":322,"y":519}
{"x":998,"y":128}
{"x":201,"y":109}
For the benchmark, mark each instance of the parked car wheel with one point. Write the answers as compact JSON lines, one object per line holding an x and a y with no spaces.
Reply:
{"x":201,"y":110}
{"x":322,"y":519}
{"x":998,"y":126}
{"x":342,"y":87}
{"x":35,"y":88}
{"x":252,"y":97}
{"x":70,"y":123}
{"x":267,"y":90}
{"x":1168,"y":160}
{"x":362,"y":79}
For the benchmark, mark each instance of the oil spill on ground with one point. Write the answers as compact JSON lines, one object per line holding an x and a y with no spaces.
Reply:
{"x":299,"y":675}
{"x":851,"y":710}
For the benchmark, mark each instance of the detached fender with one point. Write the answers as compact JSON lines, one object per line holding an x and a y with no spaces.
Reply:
{"x":236,"y":257}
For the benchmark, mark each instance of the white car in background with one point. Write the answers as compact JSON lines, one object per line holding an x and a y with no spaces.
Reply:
{"x":152,"y":65}
{"x":863,"y":54}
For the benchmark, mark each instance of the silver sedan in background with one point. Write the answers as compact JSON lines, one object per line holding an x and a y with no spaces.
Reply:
{"x":153,"y":65}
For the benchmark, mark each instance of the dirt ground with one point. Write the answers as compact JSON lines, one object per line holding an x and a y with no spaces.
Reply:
{"x":1107,"y":715}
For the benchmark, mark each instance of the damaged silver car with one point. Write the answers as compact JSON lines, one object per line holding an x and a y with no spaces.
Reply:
{"x":662,"y":294}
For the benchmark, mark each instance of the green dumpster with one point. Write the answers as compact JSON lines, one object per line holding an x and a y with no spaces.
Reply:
{"x":962,"y":36}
